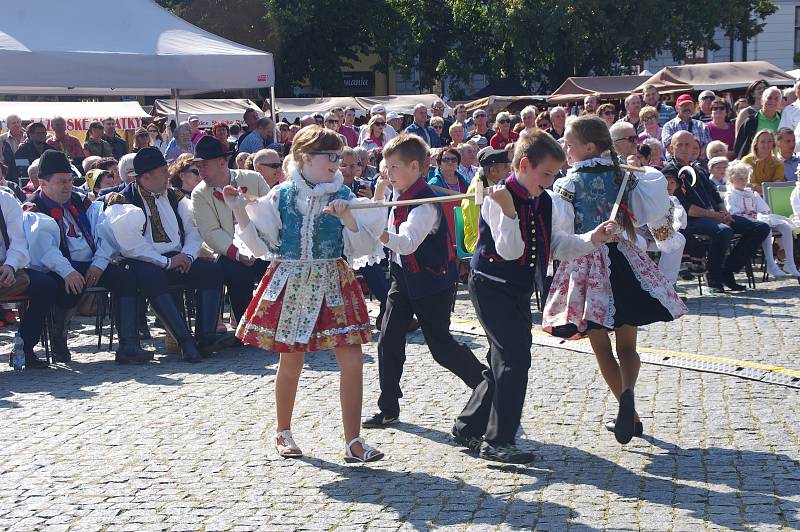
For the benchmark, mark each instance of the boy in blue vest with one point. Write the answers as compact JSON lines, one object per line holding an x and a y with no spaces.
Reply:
{"x":424,"y":274}
{"x":515,"y":235}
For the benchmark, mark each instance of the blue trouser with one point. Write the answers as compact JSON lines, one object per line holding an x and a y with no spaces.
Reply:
{"x":154,"y":280}
{"x":240,"y":280}
{"x":118,"y":279}
{"x":751,"y":235}
{"x":42,"y":291}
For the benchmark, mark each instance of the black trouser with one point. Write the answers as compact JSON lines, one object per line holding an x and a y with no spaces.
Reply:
{"x":495,"y":407}
{"x":118,"y":279}
{"x":241,"y":280}
{"x":433,"y":314}
{"x":154,"y":280}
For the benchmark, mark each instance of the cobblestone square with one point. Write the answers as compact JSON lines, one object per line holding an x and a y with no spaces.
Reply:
{"x":170,"y":446}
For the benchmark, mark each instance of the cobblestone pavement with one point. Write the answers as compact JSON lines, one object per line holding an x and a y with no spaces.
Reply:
{"x":171,"y":446}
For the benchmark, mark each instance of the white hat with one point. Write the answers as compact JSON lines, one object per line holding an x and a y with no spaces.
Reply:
{"x":377,"y":108}
{"x":706,"y":94}
{"x":391,"y":115}
{"x":192,"y":118}
{"x":717,"y":160}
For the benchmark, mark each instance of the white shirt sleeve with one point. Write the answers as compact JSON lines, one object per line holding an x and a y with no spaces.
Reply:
{"x":127,"y":222}
{"x":17,"y":253}
{"x":44,"y":237}
{"x":565,"y":244}
{"x":262,"y":234}
{"x":369,"y":224}
{"x":795,"y":199}
{"x":104,"y":247}
{"x":761,"y":205}
{"x":508,"y":241}
{"x":192,"y":240}
{"x":421,"y":222}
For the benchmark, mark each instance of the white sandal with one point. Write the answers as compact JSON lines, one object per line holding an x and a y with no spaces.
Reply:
{"x":370,"y":453}
{"x":287,"y":449}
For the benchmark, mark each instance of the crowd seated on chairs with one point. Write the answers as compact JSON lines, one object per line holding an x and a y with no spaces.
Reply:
{"x":137,"y":231}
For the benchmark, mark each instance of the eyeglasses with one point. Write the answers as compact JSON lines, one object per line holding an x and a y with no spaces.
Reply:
{"x":708,"y":98}
{"x":195,"y":171}
{"x":274,"y":166}
{"x":438,"y":127}
{"x":608,"y":113}
{"x":504,"y":121}
{"x":719,"y":108}
{"x":380,"y":123}
{"x":449,"y":159}
{"x":333,"y":157}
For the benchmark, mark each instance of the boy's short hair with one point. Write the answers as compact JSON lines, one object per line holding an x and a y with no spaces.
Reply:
{"x":408,"y":148}
{"x":739,"y":170}
{"x":536,"y":145}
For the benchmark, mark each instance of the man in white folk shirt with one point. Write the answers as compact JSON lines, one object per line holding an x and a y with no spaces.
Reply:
{"x":66,"y":242}
{"x":159,"y":241}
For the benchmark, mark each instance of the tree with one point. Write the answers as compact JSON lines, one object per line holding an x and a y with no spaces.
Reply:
{"x":744,"y":19}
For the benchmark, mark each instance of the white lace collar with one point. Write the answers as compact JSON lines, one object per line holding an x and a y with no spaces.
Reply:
{"x":594,"y":161}
{"x":320,"y":189}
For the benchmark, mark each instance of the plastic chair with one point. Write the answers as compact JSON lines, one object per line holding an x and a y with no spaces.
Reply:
{"x":778,"y":196}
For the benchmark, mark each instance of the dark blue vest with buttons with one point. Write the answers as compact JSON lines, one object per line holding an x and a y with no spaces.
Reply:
{"x":535,"y":224}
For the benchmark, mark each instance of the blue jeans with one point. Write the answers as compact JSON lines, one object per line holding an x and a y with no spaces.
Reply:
{"x":751,"y":235}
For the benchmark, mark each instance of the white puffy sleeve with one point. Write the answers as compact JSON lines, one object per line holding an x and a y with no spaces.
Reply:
{"x":262,"y":234}
{"x":505,"y":231}
{"x":192,"y":239}
{"x":44,"y":237}
{"x":731,"y":204}
{"x":648,"y":198}
{"x":761,"y":205}
{"x":565,"y":244}
{"x":127,"y":223}
{"x":679,"y":217}
{"x":105,"y":245}
{"x":17,"y":253}
{"x":362,"y":247}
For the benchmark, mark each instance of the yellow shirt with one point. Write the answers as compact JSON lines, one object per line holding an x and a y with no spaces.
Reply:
{"x":472,"y":215}
{"x":769,"y":169}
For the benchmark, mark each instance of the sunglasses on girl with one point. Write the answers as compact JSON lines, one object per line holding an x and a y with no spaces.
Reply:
{"x":333,"y":157}
{"x":380,"y":123}
{"x":274,"y":166}
{"x":504,"y":121}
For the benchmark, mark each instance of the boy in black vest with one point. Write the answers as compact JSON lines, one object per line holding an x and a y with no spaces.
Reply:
{"x":515,"y":235}
{"x":423,"y":271}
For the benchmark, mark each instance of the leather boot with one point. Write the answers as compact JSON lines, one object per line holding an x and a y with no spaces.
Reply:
{"x":59,"y":332}
{"x":208,"y":340}
{"x":141,"y":319}
{"x":165,"y":308}
{"x":125,"y":314}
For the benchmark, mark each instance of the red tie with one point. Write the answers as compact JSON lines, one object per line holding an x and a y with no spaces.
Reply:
{"x":71,"y":231}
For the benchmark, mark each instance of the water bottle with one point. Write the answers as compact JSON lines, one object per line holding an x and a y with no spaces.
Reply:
{"x":18,"y":355}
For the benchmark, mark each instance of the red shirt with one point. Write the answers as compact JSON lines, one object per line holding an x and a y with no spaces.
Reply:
{"x":69,"y":145}
{"x":350,"y":134}
{"x":499,"y":142}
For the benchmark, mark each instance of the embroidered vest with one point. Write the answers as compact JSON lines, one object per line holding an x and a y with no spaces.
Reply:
{"x":432,"y":267}
{"x":81,"y":204}
{"x":594,"y":195}
{"x":309,"y":236}
{"x":535,"y":225}
{"x":132,"y":195}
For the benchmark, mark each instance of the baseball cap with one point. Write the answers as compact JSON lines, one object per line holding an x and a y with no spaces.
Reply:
{"x":391,"y":115}
{"x":716,"y":160}
{"x":377,"y":108}
{"x":192,"y":118}
{"x":707,"y":94}
{"x":683,"y":98}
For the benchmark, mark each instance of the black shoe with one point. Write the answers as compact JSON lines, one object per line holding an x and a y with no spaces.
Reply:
{"x":505,"y":452}
{"x":127,"y":354}
{"x":34,"y":362}
{"x":729,"y":281}
{"x":59,"y":333}
{"x":165,"y":308}
{"x":623,"y":428}
{"x":216,"y":342}
{"x":638,"y":428}
{"x":189,"y":352}
{"x":378,"y":420}
{"x":472,"y":443}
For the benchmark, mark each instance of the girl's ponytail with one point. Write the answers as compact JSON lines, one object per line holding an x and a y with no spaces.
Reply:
{"x":626,"y":222}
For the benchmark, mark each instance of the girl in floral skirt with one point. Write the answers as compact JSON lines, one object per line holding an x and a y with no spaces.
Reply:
{"x":615,"y":288}
{"x":309,"y":300}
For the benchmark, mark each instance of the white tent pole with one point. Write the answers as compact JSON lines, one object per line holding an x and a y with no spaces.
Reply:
{"x":274,"y":114}
{"x":177,"y":113}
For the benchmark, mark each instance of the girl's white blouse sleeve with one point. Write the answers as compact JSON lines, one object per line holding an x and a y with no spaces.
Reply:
{"x":262,"y":234}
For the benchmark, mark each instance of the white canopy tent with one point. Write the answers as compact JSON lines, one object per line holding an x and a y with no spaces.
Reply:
{"x":290,"y":109}
{"x":129,"y":48}
{"x":78,"y":115}
{"x":209,"y":111}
